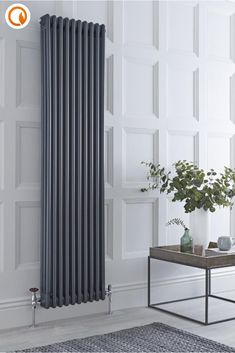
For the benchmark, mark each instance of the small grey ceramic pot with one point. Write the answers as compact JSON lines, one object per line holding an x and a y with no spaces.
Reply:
{"x":225,"y":243}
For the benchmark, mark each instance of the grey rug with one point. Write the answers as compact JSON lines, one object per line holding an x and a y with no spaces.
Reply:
{"x":156,"y":337}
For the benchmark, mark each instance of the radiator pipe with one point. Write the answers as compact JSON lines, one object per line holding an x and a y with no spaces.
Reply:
{"x":109,"y":295}
{"x":35,"y":303}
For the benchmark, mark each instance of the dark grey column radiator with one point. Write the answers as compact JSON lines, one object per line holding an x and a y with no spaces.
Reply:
{"x":72,"y":243}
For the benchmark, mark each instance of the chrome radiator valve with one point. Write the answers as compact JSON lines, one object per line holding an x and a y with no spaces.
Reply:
{"x":35,"y":302}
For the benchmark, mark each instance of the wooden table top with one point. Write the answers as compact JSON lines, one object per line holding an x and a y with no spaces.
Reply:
{"x":207,"y":260}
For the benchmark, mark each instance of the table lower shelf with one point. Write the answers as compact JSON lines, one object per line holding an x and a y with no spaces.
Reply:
{"x":208,"y":294}
{"x":157,"y":306}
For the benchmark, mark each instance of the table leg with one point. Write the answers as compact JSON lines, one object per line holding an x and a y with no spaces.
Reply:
{"x":209,"y":273}
{"x":149,"y":279}
{"x":207,"y":290}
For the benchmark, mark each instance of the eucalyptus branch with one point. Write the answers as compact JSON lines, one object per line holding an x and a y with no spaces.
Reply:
{"x":192,"y":185}
{"x":176,"y":221}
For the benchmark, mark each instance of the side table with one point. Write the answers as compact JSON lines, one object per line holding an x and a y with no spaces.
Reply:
{"x":207,"y":262}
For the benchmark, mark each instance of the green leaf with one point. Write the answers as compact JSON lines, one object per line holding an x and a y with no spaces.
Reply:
{"x":190,"y":186}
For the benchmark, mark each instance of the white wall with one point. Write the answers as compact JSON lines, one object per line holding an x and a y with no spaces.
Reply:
{"x":169,"y":81}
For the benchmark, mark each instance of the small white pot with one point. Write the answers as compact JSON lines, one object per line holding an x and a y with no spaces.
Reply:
{"x":200,"y":227}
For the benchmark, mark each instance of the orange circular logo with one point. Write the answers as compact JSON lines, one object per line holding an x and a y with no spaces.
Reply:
{"x":17,"y":16}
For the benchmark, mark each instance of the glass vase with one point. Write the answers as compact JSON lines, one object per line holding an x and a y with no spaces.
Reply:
{"x":186,"y":242}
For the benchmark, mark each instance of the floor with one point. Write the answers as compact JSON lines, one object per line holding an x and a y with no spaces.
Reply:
{"x":101,"y":323}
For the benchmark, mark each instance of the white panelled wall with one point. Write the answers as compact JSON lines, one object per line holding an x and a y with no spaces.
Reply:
{"x":170,"y":95}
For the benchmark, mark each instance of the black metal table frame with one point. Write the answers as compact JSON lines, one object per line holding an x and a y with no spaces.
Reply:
{"x":207,"y":295}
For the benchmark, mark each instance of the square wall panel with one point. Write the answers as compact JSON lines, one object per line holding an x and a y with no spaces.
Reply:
{"x":27,"y":233}
{"x":28,"y":74}
{"x":174,"y":232}
{"x":232,"y":100}
{"x":218,"y":92}
{"x":182,"y":145}
{"x":232,"y":155}
{"x":27,"y":154}
{"x":218,"y":34}
{"x":182,"y":26}
{"x":108,"y":156}
{"x":139,"y":227}
{"x":138,"y":98}
{"x":232,"y":36}
{"x":140,"y":20}
{"x":1,"y":237}
{"x":138,"y":145}
{"x":182,"y":92}
{"x":2,"y":151}
{"x":218,"y":152}
{"x":2,"y":71}
{"x":109,"y":229}
{"x":109,"y":67}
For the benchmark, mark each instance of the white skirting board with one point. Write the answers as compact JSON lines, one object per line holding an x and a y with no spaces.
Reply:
{"x":17,"y":312}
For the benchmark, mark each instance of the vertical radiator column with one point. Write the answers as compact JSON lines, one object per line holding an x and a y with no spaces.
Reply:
{"x":72,"y":199}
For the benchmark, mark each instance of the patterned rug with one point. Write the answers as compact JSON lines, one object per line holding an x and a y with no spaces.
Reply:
{"x":156,"y":337}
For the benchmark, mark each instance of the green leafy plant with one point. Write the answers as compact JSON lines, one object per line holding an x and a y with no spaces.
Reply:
{"x":176,"y":221}
{"x":193,"y":185}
